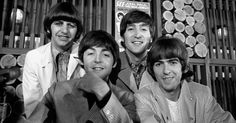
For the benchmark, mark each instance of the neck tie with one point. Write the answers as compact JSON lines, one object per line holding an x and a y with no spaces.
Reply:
{"x":138,"y":72}
{"x":62,"y":62}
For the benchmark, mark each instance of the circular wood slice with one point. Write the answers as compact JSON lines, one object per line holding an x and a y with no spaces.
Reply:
{"x":178,"y":4}
{"x":179,"y":26}
{"x":198,"y":16}
{"x":201,"y":38}
{"x":180,"y":14}
{"x":198,"y":4}
{"x":21,"y":60}
{"x":189,"y":30}
{"x":179,"y":36}
{"x":190,"y":41}
{"x":167,"y":15}
{"x":8,"y":61}
{"x":167,"y":5}
{"x":200,"y":27}
{"x":188,"y":10}
{"x":190,"y":20}
{"x":169,"y":26}
{"x":201,"y":50}
{"x":190,"y":51}
{"x":188,"y":1}
{"x":168,"y":35}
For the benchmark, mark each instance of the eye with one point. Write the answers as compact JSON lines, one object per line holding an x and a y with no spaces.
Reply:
{"x":57,"y":23}
{"x":107,"y":54}
{"x":72,"y":25}
{"x":157,"y":64}
{"x":130,"y":28}
{"x":174,"y":62}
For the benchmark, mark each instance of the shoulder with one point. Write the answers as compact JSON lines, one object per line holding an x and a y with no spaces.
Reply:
{"x":39,"y":50}
{"x":146,"y":91}
{"x":198,"y":89}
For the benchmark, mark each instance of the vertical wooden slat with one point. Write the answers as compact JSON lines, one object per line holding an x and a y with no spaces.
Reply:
{"x":22,"y":33}
{"x":209,"y":23}
{"x":12,"y":33}
{"x":198,"y":73}
{"x":215,"y":29}
{"x":3,"y":22}
{"x":81,"y":10}
{"x":90,"y":15}
{"x":234,"y":25}
{"x":42,"y":34}
{"x":224,"y":49}
{"x":229,"y":25}
{"x":213,"y":80}
{"x":107,"y":15}
{"x":157,"y":16}
{"x":98,"y":14}
{"x":32,"y":33}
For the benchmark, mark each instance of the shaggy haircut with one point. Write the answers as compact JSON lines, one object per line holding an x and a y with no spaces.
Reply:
{"x":99,"y":38}
{"x":166,"y":48}
{"x":136,"y":16}
{"x":63,"y":11}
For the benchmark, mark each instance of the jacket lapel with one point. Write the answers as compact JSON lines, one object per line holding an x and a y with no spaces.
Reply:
{"x":47,"y":63}
{"x":188,"y":103}
{"x":73,"y":62}
{"x":125,"y":71}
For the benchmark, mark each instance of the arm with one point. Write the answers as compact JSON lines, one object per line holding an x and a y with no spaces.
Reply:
{"x":111,"y":108}
{"x":30,"y":85}
{"x":214,"y":112}
{"x":44,"y":111}
{"x":114,"y":111}
{"x":144,"y":110}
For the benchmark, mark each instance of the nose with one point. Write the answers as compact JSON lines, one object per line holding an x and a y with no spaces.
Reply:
{"x":138,"y":33}
{"x":97,"y":58}
{"x":166,"y":69}
{"x":64,"y":28}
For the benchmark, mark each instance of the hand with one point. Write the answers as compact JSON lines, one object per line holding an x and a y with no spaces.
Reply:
{"x":91,"y":83}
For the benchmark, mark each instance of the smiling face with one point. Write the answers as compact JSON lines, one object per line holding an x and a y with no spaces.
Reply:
{"x":99,"y":60}
{"x":63,"y":34}
{"x":168,"y":73}
{"x":137,"y":38}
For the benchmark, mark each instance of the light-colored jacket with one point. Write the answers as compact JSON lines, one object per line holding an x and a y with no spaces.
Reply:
{"x":39,"y":74}
{"x":196,"y":102}
{"x":66,"y":103}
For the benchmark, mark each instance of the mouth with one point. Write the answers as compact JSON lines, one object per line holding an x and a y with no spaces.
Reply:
{"x":137,"y":42}
{"x":167,"y":78}
{"x":97,"y":68}
{"x":63,"y":37}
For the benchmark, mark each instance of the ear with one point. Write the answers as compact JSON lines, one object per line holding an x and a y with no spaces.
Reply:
{"x":114,"y":65}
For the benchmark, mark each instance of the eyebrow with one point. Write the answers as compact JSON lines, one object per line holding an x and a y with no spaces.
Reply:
{"x":103,"y":48}
{"x":171,"y":59}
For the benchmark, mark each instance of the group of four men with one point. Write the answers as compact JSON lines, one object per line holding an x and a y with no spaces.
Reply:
{"x":91,"y":81}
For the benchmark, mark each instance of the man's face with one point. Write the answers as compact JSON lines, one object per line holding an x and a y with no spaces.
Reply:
{"x":98,"y":60}
{"x":137,"y":38}
{"x":63,"y":33}
{"x":168,"y":73}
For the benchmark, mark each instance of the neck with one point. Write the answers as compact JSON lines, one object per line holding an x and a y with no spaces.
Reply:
{"x":64,"y":48}
{"x":135,"y":58}
{"x":172,"y":95}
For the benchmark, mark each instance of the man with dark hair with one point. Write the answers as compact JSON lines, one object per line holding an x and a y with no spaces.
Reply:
{"x":54,"y":61}
{"x":91,"y":98}
{"x":170,"y":98}
{"x":137,"y":30}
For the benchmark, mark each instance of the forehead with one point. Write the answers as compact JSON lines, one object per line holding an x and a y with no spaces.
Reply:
{"x":138,"y":24}
{"x":64,"y":21}
{"x":98,"y":48}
